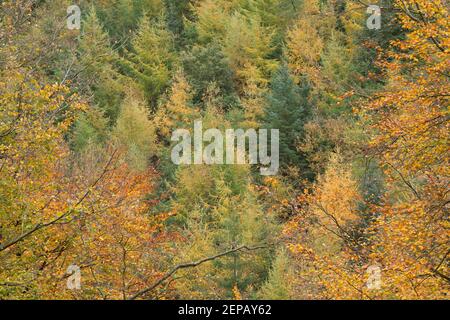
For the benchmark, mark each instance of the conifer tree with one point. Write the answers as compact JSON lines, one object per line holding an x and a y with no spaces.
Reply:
{"x":206,"y":65}
{"x":97,"y":74}
{"x":248,"y":47}
{"x":136,"y":132}
{"x":178,"y":111}
{"x":152,"y":59}
{"x":91,"y":128}
{"x":287,"y":109}
{"x":175,"y":12}
{"x":218,"y":208}
{"x":121,"y":17}
{"x":279,"y":285}
{"x":220,"y":212}
{"x":275,"y":14}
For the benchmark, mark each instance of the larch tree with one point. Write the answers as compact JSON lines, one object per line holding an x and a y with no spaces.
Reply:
{"x":97,"y":75}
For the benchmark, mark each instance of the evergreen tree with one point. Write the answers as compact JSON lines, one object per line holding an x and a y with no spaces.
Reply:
{"x":205,"y":65}
{"x":175,"y":13}
{"x":287,"y":109}
{"x":121,"y":17}
{"x":275,"y":14}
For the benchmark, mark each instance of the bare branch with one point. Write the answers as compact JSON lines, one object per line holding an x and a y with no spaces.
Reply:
{"x":40,"y":226}
{"x":192,"y":265}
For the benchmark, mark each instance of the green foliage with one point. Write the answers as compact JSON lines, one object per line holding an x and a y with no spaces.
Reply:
{"x":206,"y":65}
{"x":279,"y":285}
{"x":98,"y":75}
{"x":220,"y":212}
{"x":152,"y":58}
{"x":288,"y":107}
{"x":121,"y":17}
{"x":276,"y":14}
{"x":136,"y":132}
{"x":90,"y":128}
{"x":176,"y":10}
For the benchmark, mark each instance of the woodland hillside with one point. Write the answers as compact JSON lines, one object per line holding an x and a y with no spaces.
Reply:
{"x":359,"y":208}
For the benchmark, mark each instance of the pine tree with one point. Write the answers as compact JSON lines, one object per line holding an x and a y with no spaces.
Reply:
{"x":287,"y":109}
{"x":205,"y":65}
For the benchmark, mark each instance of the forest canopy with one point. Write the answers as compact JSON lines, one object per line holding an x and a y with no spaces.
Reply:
{"x":93,"y":207}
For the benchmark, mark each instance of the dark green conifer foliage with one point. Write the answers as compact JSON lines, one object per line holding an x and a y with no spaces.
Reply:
{"x":287,"y":109}
{"x":206,"y":65}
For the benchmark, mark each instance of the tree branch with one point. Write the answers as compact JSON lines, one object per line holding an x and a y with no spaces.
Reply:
{"x":40,"y":226}
{"x":192,"y":265}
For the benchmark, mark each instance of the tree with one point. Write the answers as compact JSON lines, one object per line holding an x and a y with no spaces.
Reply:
{"x":304,"y":48}
{"x":212,"y":18}
{"x":98,"y":76}
{"x":248,"y":47}
{"x":176,"y":12}
{"x":34,"y":119}
{"x":121,"y":17}
{"x":275,"y":14}
{"x":328,"y":252}
{"x":287,"y":109}
{"x":220,"y":212}
{"x":279,"y":285}
{"x":405,"y":234}
{"x":152,"y":60}
{"x":58,"y":209}
{"x":178,"y":111}
{"x":205,"y":66}
{"x":410,"y":117}
{"x":136,"y":132}
{"x":90,"y":128}
{"x":218,"y":209}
